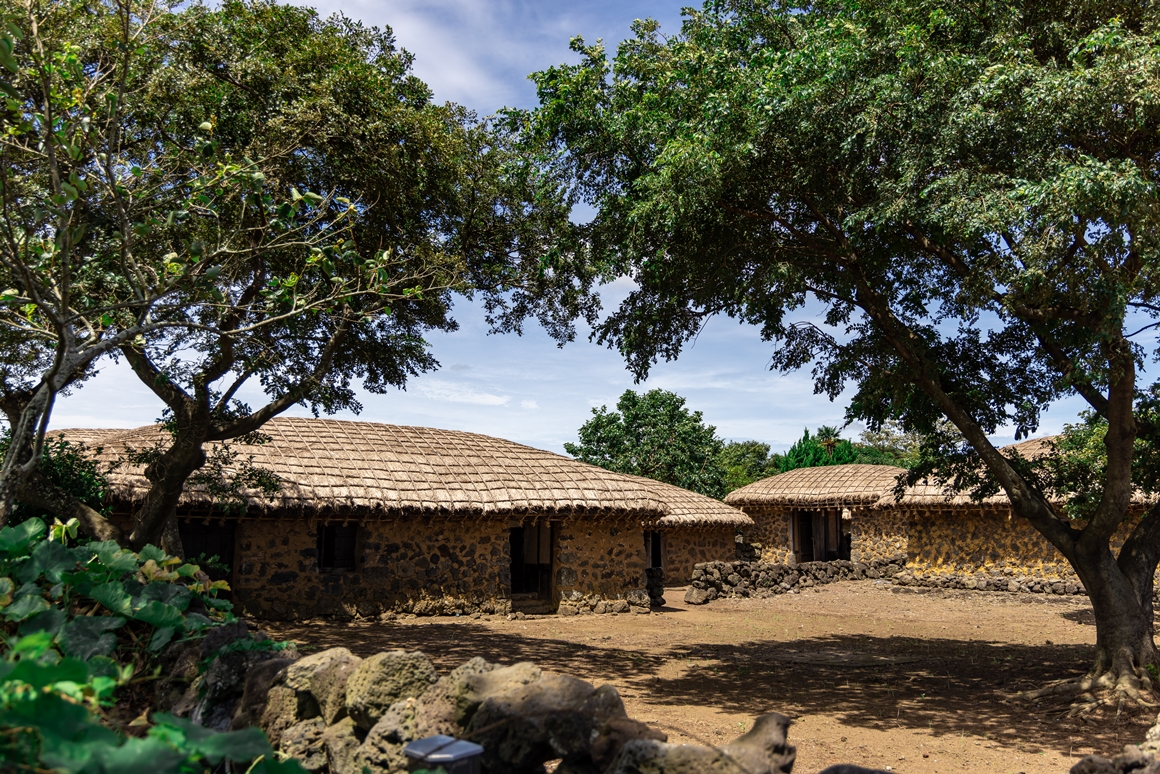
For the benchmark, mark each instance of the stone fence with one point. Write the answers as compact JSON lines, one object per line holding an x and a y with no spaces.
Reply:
{"x":712,"y":580}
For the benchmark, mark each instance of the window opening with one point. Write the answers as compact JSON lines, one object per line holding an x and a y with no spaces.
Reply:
{"x":204,"y":540}
{"x":336,"y":546}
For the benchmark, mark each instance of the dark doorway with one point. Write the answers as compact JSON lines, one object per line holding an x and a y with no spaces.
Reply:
{"x":531,"y":552}
{"x":203,"y":541}
{"x":653,"y":548}
{"x":805,"y":537}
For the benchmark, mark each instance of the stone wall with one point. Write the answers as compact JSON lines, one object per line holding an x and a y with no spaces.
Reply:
{"x":770,"y":530}
{"x":713,"y":580}
{"x":987,"y":540}
{"x":599,"y":560}
{"x":428,"y":566}
{"x":408,"y":565}
{"x":685,"y":547}
{"x":878,"y":534}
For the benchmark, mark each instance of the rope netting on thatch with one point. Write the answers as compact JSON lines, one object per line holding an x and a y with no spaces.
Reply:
{"x":334,"y":465}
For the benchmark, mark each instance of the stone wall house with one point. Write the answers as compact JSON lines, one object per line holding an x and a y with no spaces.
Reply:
{"x":820,"y":514}
{"x":375,"y":518}
{"x":852,"y":512}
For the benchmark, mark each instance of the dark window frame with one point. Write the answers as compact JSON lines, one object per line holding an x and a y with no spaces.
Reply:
{"x":337,"y":547}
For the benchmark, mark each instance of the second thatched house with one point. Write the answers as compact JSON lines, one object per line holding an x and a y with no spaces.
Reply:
{"x":852,"y":512}
{"x":373,"y":518}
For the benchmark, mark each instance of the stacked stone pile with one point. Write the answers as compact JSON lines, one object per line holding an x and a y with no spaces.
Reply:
{"x":635,"y":601}
{"x":655,"y":585}
{"x":762,"y":579}
{"x":712,"y":580}
{"x":338,"y":713}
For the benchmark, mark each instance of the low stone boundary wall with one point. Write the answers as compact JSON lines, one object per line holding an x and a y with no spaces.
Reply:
{"x":712,"y":580}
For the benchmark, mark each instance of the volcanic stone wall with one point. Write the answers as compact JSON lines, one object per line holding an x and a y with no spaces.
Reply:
{"x":987,"y":541}
{"x":770,"y":530}
{"x":419,"y":565}
{"x":686,"y":547}
{"x":598,"y":560}
{"x":428,"y":566}
{"x":875,"y":534}
{"x":879,"y":534}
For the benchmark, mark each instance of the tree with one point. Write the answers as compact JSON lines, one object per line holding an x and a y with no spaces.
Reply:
{"x":655,"y":436}
{"x":745,"y":462}
{"x":823,"y":448}
{"x":966,"y":189}
{"x":261,"y":198}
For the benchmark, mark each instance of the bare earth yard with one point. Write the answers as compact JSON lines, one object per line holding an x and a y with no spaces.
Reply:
{"x":914,"y":681}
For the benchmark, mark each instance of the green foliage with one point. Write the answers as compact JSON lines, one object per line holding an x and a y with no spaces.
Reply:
{"x":83,"y":624}
{"x":746,"y":462}
{"x":655,"y":436}
{"x":67,"y":467}
{"x":823,"y":448}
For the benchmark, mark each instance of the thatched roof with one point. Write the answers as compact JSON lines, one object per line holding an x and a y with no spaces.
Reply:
{"x":329,"y":466}
{"x":824,"y":487}
{"x":689,"y":509}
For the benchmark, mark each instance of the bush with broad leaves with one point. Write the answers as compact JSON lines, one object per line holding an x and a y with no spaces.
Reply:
{"x":82,"y":628}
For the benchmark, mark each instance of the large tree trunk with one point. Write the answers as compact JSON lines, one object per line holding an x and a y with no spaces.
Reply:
{"x":156,"y":520}
{"x":1124,"y":629}
{"x":18,"y":462}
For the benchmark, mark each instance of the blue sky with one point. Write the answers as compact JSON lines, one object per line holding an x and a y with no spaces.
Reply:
{"x":478,"y":53}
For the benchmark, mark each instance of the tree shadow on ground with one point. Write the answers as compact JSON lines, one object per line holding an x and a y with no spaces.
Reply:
{"x":948,"y":687}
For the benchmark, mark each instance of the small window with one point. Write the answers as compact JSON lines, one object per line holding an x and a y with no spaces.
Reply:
{"x":336,"y":546}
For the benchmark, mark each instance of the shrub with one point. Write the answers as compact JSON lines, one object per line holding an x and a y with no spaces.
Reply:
{"x":82,"y":630}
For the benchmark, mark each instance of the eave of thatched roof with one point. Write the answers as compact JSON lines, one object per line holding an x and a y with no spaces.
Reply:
{"x":684,"y":508}
{"x":824,"y":487}
{"x":337,"y":466}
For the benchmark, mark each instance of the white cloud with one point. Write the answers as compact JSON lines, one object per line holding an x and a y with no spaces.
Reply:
{"x":529,"y":405}
{"x":436,"y":389}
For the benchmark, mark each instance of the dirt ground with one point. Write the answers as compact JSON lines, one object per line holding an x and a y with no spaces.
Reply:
{"x":892,"y":679}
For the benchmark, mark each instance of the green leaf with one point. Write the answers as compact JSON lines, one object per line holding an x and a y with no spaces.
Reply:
{"x":7,"y":591}
{"x":39,"y":674}
{"x":25,"y":607}
{"x":237,"y":746}
{"x":141,"y":756}
{"x":161,"y":638}
{"x":50,"y":559}
{"x":174,"y":594}
{"x":88,"y":636}
{"x":50,"y":621}
{"x":114,"y":558}
{"x":15,"y":540}
{"x":159,"y":614}
{"x":114,"y":597}
{"x":152,"y":552}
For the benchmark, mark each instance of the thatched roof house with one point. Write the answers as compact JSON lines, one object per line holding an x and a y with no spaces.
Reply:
{"x":373,"y":517}
{"x":852,"y":512}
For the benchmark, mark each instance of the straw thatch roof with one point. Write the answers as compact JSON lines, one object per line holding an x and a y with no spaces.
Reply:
{"x":689,"y":509}
{"x":333,"y":466}
{"x":824,"y":487}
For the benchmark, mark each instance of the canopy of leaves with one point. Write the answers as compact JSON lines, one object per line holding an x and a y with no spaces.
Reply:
{"x":823,"y":448}
{"x":655,"y":436}
{"x":80,"y":626}
{"x":68,"y":467}
{"x":746,"y":462}
{"x":968,"y":189}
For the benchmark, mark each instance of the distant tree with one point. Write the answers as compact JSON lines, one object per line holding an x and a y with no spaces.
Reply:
{"x":745,"y":462}
{"x":825,"y":447}
{"x":655,"y":436}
